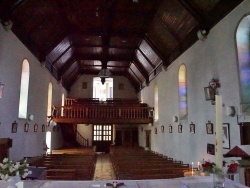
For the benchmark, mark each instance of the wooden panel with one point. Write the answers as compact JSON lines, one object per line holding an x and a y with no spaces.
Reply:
{"x":86,"y":40}
{"x":120,"y":52}
{"x":127,"y":22}
{"x":84,"y":63}
{"x":204,"y":6}
{"x":124,"y":42}
{"x":63,"y":59}
{"x":72,"y":68}
{"x":106,"y":31}
{"x":130,"y":6}
{"x":137,"y":72}
{"x":144,"y":61}
{"x":161,"y":36}
{"x":88,"y":51}
{"x":58,"y":50}
{"x":149,"y":52}
{"x":118,"y":63}
{"x":176,"y":18}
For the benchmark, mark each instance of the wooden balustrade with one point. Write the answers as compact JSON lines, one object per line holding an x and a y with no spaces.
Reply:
{"x":102,"y":114}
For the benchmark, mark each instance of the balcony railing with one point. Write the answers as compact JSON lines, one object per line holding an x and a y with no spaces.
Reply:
{"x":102,"y":113}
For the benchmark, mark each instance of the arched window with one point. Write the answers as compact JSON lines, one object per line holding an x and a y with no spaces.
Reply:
{"x":243,"y":49}
{"x":49,"y":100}
{"x":156,"y":107}
{"x":48,"y":142}
{"x":24,"y":90}
{"x":63,"y":98}
{"x":142,"y":97}
{"x":182,"y":92}
{"x":102,"y":91}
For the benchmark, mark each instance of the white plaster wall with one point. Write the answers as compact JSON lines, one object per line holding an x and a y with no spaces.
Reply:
{"x":214,"y":57}
{"x":12,"y":54}
{"x":78,"y":92}
{"x":86,"y":132}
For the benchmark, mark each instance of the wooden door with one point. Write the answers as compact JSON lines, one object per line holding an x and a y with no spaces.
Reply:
{"x":148,"y":138}
{"x":102,"y":137}
{"x":5,"y":144}
{"x":118,"y":137}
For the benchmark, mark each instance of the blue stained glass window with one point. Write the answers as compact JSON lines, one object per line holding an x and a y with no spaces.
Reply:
{"x":243,"y":49}
{"x":183,"y":110}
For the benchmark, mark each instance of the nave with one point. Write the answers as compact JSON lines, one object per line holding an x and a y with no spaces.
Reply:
{"x":103,"y":168}
{"x":108,"y":167}
{"x":121,"y":163}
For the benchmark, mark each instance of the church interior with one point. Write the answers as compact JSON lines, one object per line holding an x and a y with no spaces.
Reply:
{"x":125,"y":90}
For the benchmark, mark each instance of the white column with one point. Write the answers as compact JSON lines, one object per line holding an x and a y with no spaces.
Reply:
{"x":218,"y":122}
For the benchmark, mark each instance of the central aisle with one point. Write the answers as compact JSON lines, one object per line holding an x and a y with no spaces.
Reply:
{"x":104,"y":169}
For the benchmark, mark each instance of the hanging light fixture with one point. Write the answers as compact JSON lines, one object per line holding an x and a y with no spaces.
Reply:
{"x":104,"y":73}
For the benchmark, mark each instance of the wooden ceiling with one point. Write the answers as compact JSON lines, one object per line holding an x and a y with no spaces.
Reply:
{"x":131,"y":38}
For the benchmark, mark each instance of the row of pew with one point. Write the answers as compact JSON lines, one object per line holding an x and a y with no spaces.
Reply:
{"x":136,"y":163}
{"x":69,"y":166}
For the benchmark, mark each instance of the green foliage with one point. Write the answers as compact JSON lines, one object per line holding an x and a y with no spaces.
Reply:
{"x":9,"y":168}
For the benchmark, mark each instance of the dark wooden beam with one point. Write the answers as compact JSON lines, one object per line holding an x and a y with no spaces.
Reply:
{"x":197,"y":15}
{"x":148,"y":60}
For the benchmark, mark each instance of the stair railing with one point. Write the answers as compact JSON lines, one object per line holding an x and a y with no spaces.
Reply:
{"x":82,"y":141}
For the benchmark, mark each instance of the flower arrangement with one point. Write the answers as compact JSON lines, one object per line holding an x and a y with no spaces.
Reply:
{"x":208,"y":167}
{"x":217,"y":170}
{"x":9,"y":168}
{"x":232,"y":167}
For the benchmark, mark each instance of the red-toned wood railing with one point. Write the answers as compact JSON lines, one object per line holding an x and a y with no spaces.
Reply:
{"x":95,"y":111}
{"x":82,"y":141}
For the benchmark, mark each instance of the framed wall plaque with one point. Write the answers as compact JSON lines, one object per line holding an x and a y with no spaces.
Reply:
{"x":179,"y":128}
{"x":26,"y":127}
{"x":14,"y":127}
{"x":170,"y":129}
{"x":209,"y":128}
{"x":211,"y":149}
{"x":192,"y":128}
{"x":35,"y":127}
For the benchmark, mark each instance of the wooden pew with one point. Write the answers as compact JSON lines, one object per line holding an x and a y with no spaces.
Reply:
{"x":134,"y":163}
{"x":61,"y":174}
{"x":76,"y":167}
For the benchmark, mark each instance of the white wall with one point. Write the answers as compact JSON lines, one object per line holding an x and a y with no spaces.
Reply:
{"x":12,"y":54}
{"x":214,"y":57}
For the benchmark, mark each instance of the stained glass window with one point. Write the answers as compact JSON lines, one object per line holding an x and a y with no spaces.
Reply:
{"x":156,"y":105}
{"x":24,"y":90}
{"x":183,"y":92}
{"x":242,"y":41}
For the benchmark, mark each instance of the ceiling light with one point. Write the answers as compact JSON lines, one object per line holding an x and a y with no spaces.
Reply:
{"x":104,"y":73}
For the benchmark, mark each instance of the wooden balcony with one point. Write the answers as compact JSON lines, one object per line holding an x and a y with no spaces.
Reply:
{"x":102,"y":113}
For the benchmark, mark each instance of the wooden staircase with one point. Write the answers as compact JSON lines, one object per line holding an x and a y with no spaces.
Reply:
{"x":69,"y":133}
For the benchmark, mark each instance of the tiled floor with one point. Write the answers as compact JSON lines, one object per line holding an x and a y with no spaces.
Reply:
{"x":103,"y":169}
